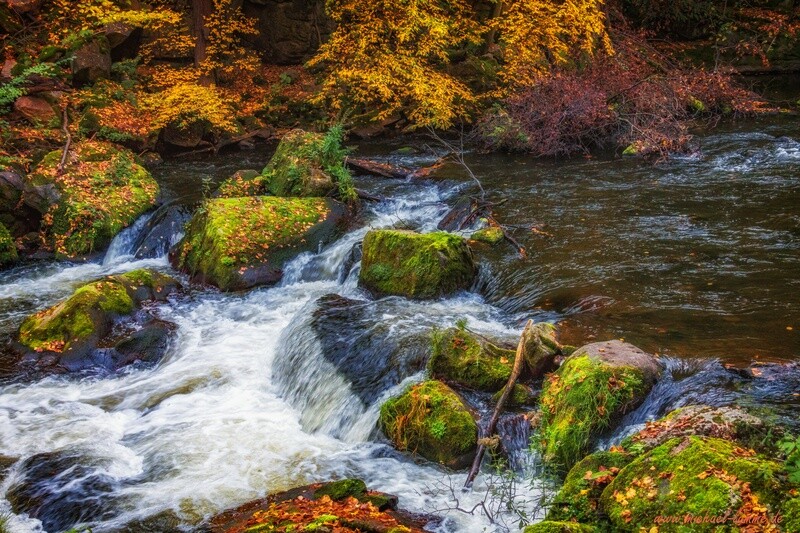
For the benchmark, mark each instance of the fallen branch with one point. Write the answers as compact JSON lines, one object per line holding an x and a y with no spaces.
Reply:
{"x":507,"y":236}
{"x":512,"y":380}
{"x":427,"y":172}
{"x":386,"y":170}
{"x":65,"y":153}
{"x":216,"y":147}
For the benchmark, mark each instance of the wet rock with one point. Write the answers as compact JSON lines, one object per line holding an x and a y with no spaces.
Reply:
{"x":520,"y":396}
{"x":6,"y":463}
{"x":148,"y":345}
{"x":540,"y":348}
{"x":694,"y":476}
{"x":62,"y":489}
{"x":189,"y":136}
{"x":101,"y":191}
{"x":124,"y":40}
{"x":8,"y":250}
{"x":242,"y":183}
{"x":37,"y":111}
{"x":165,"y":226}
{"x":25,"y":6}
{"x":309,"y":164}
{"x":151,"y":160}
{"x":457,"y":217}
{"x":462,"y":358}
{"x":491,"y":235}
{"x":66,"y":335}
{"x":344,"y":505}
{"x":729,"y":423}
{"x":431,"y":420}
{"x":91,"y":62}
{"x":240,"y":243}
{"x":415,"y":265}
{"x":589,"y":394}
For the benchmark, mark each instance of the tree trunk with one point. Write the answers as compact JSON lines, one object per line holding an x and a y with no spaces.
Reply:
{"x":201,"y":9}
{"x":492,"y":35}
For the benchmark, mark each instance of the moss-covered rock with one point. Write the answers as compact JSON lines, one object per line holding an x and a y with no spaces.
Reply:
{"x":8,"y":250}
{"x":431,"y":420}
{"x":729,"y":423}
{"x":549,"y":526}
{"x":539,"y":348}
{"x":588,"y":394}
{"x":462,"y":358}
{"x":343,"y":506}
{"x":521,"y":395}
{"x":103,"y":190}
{"x":696,"y":477}
{"x":243,"y":183}
{"x":70,"y":328}
{"x":415,"y":265}
{"x":489,"y":235}
{"x":310,"y":164}
{"x":239,"y":243}
{"x":578,"y":499}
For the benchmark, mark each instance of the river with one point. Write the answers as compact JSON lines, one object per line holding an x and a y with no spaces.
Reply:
{"x":696,"y":259}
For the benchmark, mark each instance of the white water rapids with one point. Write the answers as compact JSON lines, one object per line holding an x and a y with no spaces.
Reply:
{"x":244,"y":404}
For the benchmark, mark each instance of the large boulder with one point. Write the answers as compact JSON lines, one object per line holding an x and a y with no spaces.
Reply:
{"x":91,"y":62}
{"x":102,"y":190}
{"x":8,"y":250}
{"x":243,"y":183}
{"x":464,"y":359}
{"x":309,"y":164}
{"x":431,"y":420}
{"x":35,"y":110}
{"x":698,"y":478}
{"x":342,"y":506}
{"x":589,"y":394}
{"x":240,"y":243}
{"x":415,"y":265}
{"x":66,"y":335}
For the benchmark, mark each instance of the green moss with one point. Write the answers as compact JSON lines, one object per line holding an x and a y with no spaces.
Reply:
{"x":405,"y":263}
{"x":462,"y":358}
{"x":103,"y":191}
{"x":409,"y":421}
{"x":490,"y":235}
{"x":550,"y":526}
{"x":320,"y":521}
{"x":578,"y":498}
{"x":8,"y":250}
{"x":791,"y":514}
{"x":228,"y":236}
{"x":77,"y":319}
{"x":520,"y":395}
{"x":310,"y":164}
{"x":692,"y":476}
{"x":345,"y":488}
{"x":579,"y":402}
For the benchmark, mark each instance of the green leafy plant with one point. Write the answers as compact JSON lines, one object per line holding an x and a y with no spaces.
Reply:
{"x":15,"y":88}
{"x":790,"y":447}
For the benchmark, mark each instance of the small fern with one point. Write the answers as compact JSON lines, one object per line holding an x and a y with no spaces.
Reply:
{"x":15,"y":88}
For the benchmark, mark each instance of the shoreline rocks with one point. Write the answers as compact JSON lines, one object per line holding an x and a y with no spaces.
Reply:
{"x":462,"y":358}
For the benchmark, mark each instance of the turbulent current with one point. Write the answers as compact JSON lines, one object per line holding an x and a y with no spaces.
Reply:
{"x":281,"y":386}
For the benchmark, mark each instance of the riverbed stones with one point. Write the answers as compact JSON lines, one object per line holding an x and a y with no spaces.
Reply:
{"x":415,"y":265}
{"x":540,"y":348}
{"x":462,"y":358}
{"x":35,"y":110}
{"x":91,"y":62}
{"x":240,"y":243}
{"x":589,"y":394}
{"x":243,"y":183}
{"x":431,"y":420}
{"x":67,"y":334}
{"x":101,"y":190}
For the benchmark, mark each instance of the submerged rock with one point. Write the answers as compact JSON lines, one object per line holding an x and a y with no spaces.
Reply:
{"x":462,"y":358}
{"x":431,"y":420}
{"x":67,"y":334}
{"x":588,"y":395}
{"x":309,"y":164}
{"x":415,"y":265}
{"x":102,"y":191}
{"x":240,"y":243}
{"x":490,"y":235}
{"x":243,"y":183}
{"x":344,"y":506}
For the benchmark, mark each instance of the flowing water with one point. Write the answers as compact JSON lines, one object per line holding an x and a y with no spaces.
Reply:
{"x":280,"y":387}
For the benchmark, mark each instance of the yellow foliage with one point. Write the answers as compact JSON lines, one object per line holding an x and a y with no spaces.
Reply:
{"x":388,"y":55}
{"x":225,"y":54}
{"x":185,"y":104}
